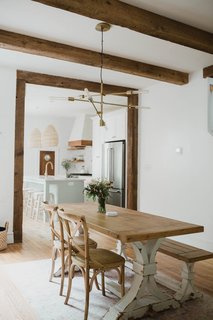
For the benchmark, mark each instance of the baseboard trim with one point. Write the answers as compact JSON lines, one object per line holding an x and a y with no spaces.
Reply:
{"x":10,"y":237}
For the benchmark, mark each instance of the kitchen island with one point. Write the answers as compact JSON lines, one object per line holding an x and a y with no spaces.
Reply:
{"x":57,"y":189}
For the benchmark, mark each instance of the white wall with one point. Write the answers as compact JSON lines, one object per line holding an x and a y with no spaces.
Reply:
{"x":7,"y":127}
{"x":171,"y":184}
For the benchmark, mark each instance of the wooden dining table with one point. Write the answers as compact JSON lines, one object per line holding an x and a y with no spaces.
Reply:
{"x":144,"y":232}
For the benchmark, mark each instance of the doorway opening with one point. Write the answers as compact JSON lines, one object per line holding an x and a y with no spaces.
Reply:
{"x":23,"y":78}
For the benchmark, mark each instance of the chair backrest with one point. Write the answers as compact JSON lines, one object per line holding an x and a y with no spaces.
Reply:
{"x":52,"y":212}
{"x":71,"y":226}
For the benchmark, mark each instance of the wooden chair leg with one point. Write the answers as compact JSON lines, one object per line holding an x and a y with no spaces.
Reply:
{"x":122,"y":281}
{"x":62,"y":273}
{"x":54,"y":257}
{"x":71,"y":272}
{"x":87,"y":291}
{"x":94,"y":278}
{"x":103,"y":283}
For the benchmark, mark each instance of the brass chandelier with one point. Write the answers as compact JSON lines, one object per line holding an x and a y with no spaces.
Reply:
{"x":87,"y":97}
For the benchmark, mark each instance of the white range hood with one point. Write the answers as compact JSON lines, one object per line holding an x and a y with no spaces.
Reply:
{"x":81,"y":134}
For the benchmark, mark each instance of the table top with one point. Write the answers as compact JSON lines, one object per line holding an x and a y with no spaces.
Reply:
{"x":130,"y":225}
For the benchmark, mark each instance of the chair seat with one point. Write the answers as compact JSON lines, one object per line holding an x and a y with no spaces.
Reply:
{"x":100,"y":259}
{"x":78,"y":239}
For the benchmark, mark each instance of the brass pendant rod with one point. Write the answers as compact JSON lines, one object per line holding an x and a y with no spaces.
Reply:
{"x":101,"y":76}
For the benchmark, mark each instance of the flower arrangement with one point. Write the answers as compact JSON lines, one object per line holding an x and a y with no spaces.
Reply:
{"x":99,"y":189}
{"x":66,"y":164}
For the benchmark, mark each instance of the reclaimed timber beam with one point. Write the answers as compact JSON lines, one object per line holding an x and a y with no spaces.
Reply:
{"x":26,"y":44}
{"x":68,"y":83}
{"x":208,"y":72}
{"x":137,"y":19}
{"x":132,"y":153}
{"x":19,"y":160}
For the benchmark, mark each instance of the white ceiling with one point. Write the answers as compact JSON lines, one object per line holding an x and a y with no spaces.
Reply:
{"x":35,"y":19}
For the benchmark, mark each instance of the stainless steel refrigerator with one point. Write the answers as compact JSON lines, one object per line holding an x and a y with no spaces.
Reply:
{"x":114,"y":170}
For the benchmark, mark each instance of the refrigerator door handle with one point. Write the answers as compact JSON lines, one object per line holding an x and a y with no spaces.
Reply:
{"x":112,"y":164}
{"x":108,"y":164}
{"x":110,"y":167}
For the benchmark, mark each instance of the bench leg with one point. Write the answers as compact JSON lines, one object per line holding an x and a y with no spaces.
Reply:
{"x":187,"y":288}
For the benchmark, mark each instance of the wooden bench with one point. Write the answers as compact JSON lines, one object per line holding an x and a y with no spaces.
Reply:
{"x":189,"y":255}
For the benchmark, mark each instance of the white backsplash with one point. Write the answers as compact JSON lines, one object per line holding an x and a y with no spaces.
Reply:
{"x":86,"y":155}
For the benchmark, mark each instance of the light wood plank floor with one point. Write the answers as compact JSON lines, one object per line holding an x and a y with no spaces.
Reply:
{"x":37,"y":245}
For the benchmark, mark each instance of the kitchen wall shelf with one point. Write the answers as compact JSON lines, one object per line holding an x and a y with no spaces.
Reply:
{"x":77,"y":161}
{"x":76,"y":148}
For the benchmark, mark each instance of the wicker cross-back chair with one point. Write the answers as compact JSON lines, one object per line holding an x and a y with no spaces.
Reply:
{"x":59,"y":245}
{"x":86,"y":258}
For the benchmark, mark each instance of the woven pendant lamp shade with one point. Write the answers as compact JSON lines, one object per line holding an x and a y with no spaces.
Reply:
{"x":49,"y":137}
{"x":35,"y":138}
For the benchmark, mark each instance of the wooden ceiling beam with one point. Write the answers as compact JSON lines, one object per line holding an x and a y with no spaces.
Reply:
{"x":69,"y":83}
{"x":22,"y":43}
{"x":208,"y":72}
{"x":140,"y":20}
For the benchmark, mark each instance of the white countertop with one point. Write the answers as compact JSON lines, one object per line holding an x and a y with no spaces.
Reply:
{"x":42,"y":179}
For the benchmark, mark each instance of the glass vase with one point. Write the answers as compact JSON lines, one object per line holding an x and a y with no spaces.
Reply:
{"x":101,"y":205}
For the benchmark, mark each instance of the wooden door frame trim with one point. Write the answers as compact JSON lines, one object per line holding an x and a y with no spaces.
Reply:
{"x":208,"y":72}
{"x":25,"y":77}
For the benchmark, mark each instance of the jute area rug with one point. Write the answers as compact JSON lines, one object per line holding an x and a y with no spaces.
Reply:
{"x":38,"y":299}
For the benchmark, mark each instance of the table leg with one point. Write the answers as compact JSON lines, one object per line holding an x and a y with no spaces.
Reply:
{"x":187,"y":288}
{"x":144,"y":292}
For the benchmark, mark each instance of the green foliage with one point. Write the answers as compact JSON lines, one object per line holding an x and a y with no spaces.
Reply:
{"x":66,"y":164}
{"x":98,"y":188}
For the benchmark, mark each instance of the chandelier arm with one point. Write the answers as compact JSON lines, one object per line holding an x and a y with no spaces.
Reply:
{"x":99,"y":102}
{"x":112,"y":104}
{"x":92,"y":102}
{"x":72,"y":99}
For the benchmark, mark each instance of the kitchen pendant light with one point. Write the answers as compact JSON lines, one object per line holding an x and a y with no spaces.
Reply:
{"x":49,"y":137}
{"x":35,"y":138}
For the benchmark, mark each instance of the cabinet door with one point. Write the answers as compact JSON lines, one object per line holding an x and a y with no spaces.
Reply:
{"x":97,"y":145}
{"x":115,"y":128}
